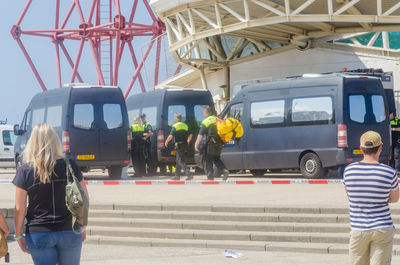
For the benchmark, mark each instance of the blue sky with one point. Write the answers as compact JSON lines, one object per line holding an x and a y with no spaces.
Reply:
{"x":18,"y":82}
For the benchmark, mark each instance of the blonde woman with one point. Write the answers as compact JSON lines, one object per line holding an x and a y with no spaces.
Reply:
{"x":41,"y":180}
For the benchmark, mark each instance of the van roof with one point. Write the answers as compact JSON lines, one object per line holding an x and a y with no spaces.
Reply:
{"x":178,"y":88}
{"x":85,"y":85}
{"x":314,"y":79}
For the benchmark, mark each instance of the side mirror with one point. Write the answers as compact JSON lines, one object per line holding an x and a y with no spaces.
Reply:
{"x":17,"y":131}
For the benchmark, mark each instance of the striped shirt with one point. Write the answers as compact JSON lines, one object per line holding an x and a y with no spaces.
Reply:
{"x":368,"y":187}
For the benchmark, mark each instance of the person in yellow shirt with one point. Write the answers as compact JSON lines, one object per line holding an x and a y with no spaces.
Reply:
{"x":138,"y":144}
{"x":180,"y":131}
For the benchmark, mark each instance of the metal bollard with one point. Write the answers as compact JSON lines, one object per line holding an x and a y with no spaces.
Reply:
{"x":7,"y":257}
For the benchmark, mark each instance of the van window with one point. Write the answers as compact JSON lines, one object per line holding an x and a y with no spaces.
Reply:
{"x":28,"y":125}
{"x":172,"y":109}
{"x":112,"y":115}
{"x":378,"y":108}
{"x":199,"y":113}
{"x":54,"y":116}
{"x":151,"y":115}
{"x":26,"y":122}
{"x":267,"y":113}
{"x":9,"y":137}
{"x":83,"y":116}
{"x":37,"y":117}
{"x":132,"y":114}
{"x":235,"y":111}
{"x":357,"y":108}
{"x":312,"y":110}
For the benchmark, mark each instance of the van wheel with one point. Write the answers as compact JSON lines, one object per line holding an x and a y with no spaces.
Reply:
{"x":115,"y":172}
{"x":258,"y":172}
{"x":311,"y":166}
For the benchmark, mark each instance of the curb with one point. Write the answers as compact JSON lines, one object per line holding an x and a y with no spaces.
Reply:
{"x":202,"y":182}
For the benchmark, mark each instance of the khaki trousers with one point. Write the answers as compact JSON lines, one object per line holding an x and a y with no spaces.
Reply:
{"x":371,"y":247}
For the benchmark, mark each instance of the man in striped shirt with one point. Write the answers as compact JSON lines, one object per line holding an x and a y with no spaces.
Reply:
{"x":370,"y":187}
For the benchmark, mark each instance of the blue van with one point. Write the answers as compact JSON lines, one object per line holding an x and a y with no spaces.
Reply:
{"x":307,"y":123}
{"x":160,"y":106}
{"x":92,"y":122}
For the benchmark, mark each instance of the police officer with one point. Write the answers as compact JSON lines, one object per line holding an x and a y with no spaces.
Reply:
{"x":213,"y":145}
{"x":137,"y":152}
{"x":395,"y":124}
{"x":148,"y":132}
{"x":180,"y":131}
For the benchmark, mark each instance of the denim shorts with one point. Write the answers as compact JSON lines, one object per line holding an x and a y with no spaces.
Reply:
{"x":51,"y":248}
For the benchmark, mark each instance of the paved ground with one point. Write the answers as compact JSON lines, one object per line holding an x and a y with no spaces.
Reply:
{"x":117,"y":255}
{"x":304,"y":195}
{"x":293,"y":194}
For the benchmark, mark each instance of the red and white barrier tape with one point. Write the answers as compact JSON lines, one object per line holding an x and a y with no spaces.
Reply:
{"x":204,"y":182}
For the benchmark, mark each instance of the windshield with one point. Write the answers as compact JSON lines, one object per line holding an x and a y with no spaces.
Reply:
{"x":9,"y":137}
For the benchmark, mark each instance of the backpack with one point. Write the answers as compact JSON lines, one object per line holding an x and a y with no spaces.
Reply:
{"x":229,"y":129}
{"x":75,"y":198}
{"x":3,"y":245}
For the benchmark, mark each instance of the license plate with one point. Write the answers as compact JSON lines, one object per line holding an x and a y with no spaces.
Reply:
{"x":172,"y":153}
{"x":85,"y":157}
{"x":357,"y":152}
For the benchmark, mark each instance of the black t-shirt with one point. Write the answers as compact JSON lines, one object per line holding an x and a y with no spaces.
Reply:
{"x":47,"y":211}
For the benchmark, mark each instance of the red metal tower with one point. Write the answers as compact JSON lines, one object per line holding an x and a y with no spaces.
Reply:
{"x":106,"y":32}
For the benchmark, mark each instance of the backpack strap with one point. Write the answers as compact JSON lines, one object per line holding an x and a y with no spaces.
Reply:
{"x":70,"y":172}
{"x":233,"y":130}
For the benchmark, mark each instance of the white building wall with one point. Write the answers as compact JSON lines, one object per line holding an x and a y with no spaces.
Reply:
{"x":296,"y":62}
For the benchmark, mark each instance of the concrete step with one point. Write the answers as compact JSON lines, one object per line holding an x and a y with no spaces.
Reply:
{"x":322,"y":248}
{"x":236,"y":245}
{"x":219,"y":208}
{"x":220,"y":225}
{"x":223,"y":216}
{"x":330,"y":238}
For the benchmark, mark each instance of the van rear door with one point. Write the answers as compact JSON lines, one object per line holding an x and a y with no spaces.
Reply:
{"x":367,"y":110}
{"x":84,"y":131}
{"x":190,"y":104}
{"x":113,"y":132}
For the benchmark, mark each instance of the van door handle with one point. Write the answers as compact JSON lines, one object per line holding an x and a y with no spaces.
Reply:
{"x":6,"y":149}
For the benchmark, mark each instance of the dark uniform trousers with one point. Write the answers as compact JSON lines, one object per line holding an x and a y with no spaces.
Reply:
{"x":211,"y":161}
{"x":180,"y":149}
{"x":213,"y":158}
{"x":138,"y":162}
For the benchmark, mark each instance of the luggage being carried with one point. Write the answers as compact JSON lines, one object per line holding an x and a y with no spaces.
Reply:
{"x":229,"y":129}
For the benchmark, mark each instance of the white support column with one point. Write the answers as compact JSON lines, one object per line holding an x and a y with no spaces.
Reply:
{"x":379,"y":7}
{"x":218,"y":15}
{"x":330,"y":7}
{"x":203,"y":78}
{"x":385,"y":40}
{"x":246,"y":10}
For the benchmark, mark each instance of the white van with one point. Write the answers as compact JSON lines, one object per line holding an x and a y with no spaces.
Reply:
{"x":7,"y":141}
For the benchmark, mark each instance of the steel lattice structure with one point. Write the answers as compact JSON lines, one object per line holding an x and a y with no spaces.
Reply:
{"x":116,"y":34}
{"x":214,"y":34}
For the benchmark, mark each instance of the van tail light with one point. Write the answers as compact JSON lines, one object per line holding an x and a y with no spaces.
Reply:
{"x":160,"y":139}
{"x":342,"y":136}
{"x":128,"y":140}
{"x":65,"y":141}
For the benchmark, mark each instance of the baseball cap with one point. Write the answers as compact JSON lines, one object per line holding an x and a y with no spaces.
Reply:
{"x":370,"y":139}
{"x":142,"y":115}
